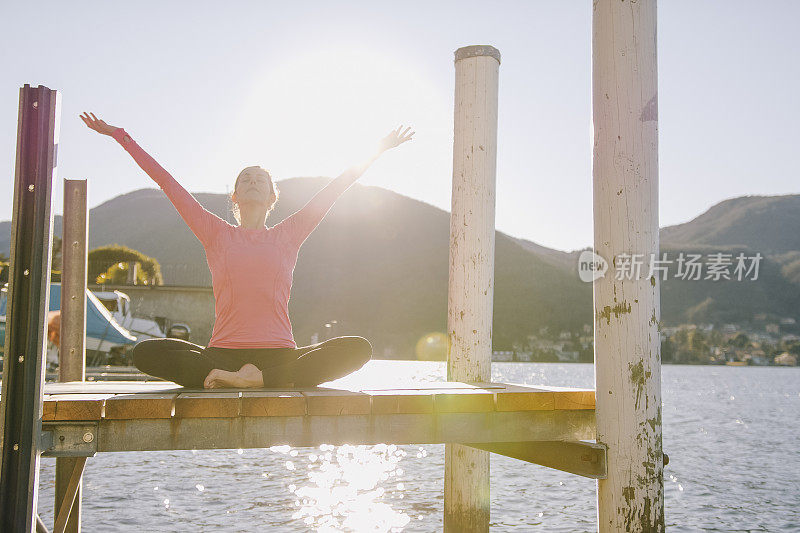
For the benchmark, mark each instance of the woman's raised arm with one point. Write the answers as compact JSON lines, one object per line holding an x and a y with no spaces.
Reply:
{"x":203,"y":223}
{"x":302,"y":222}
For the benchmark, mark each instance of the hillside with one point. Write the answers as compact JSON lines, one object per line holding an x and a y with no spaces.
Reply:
{"x":378,"y":263}
{"x":768,"y":224}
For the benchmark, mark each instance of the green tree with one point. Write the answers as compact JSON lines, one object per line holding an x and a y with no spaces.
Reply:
{"x":698,"y":346}
{"x":667,"y":351}
{"x":715,"y":337}
{"x":741,"y":341}
{"x":110,"y":264}
{"x":55,"y":265}
{"x":55,"y":261}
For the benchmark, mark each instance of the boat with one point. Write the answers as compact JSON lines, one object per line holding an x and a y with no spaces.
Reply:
{"x":103,"y":334}
{"x":119,"y":305}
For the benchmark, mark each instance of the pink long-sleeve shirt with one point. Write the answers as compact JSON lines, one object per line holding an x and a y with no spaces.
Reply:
{"x":251,"y":269}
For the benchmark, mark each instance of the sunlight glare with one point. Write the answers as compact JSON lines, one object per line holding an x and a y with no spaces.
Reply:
{"x":322,"y":111}
{"x":432,"y":347}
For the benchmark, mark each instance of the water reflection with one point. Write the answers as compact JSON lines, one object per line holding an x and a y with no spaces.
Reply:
{"x":347,"y":488}
{"x":735,"y":468}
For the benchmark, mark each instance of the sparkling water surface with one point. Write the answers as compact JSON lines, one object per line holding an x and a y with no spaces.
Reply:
{"x":732,"y":434}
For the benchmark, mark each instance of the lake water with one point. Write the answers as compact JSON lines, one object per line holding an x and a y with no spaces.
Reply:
{"x":732,"y":435}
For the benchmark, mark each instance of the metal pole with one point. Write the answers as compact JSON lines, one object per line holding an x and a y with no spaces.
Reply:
{"x":72,"y":362}
{"x":627,"y":310}
{"x":72,"y":351}
{"x":471,"y":285}
{"x":28,"y":295}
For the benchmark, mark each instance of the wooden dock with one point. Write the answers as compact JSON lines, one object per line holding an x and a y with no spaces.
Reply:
{"x":83,"y":418}
{"x":543,"y":425}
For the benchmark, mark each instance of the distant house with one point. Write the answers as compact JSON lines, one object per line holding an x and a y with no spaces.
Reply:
{"x":669,"y":331}
{"x":758,"y":358}
{"x":760,"y":337}
{"x":772,"y":328}
{"x":786,"y":359}
{"x":736,"y":354}
{"x":545,"y":345}
{"x":567,"y":357}
{"x":524,"y":356}
{"x":502,"y":356}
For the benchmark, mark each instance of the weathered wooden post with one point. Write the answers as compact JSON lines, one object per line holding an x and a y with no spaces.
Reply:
{"x":72,"y":351}
{"x":471,"y":285}
{"x":28,"y":294}
{"x":627,"y":310}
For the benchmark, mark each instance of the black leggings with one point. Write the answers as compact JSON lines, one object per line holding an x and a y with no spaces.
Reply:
{"x":188,"y":364}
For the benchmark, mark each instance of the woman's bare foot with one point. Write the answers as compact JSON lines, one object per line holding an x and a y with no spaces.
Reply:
{"x":249,"y":376}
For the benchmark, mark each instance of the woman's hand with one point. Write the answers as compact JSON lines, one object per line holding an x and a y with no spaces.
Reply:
{"x":96,"y":124}
{"x":395,"y":138}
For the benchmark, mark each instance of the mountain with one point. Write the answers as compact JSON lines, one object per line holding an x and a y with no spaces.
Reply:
{"x":767,"y":224}
{"x":378,"y":263}
{"x":568,"y":260}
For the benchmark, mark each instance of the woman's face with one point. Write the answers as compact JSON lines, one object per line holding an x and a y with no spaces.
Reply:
{"x":253,"y":187}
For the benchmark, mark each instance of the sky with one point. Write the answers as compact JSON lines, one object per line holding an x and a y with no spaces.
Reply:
{"x":308,"y":88}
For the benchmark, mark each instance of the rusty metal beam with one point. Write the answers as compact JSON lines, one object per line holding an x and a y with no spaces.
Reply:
{"x":28,"y":294}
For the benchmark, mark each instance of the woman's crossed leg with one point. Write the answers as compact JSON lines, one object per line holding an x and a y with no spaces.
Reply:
{"x":193,"y":366}
{"x":176,"y":360}
{"x":329,"y":360}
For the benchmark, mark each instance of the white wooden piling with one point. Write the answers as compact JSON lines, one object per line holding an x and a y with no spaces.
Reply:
{"x":627,"y":311}
{"x":72,"y":351}
{"x":471,"y":282}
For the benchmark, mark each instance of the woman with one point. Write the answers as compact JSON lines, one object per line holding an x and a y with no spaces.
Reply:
{"x":251,"y":273}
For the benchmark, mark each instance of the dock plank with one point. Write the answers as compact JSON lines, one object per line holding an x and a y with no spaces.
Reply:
{"x":521,"y":398}
{"x":76,"y":406}
{"x":111,"y":387}
{"x":140,"y":405}
{"x":48,"y":409}
{"x":212,"y":404}
{"x":131,"y":400}
{"x":273,"y":403}
{"x":468,"y":400}
{"x":572,"y":398}
{"x":401,"y":402}
{"x":336,"y":402}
